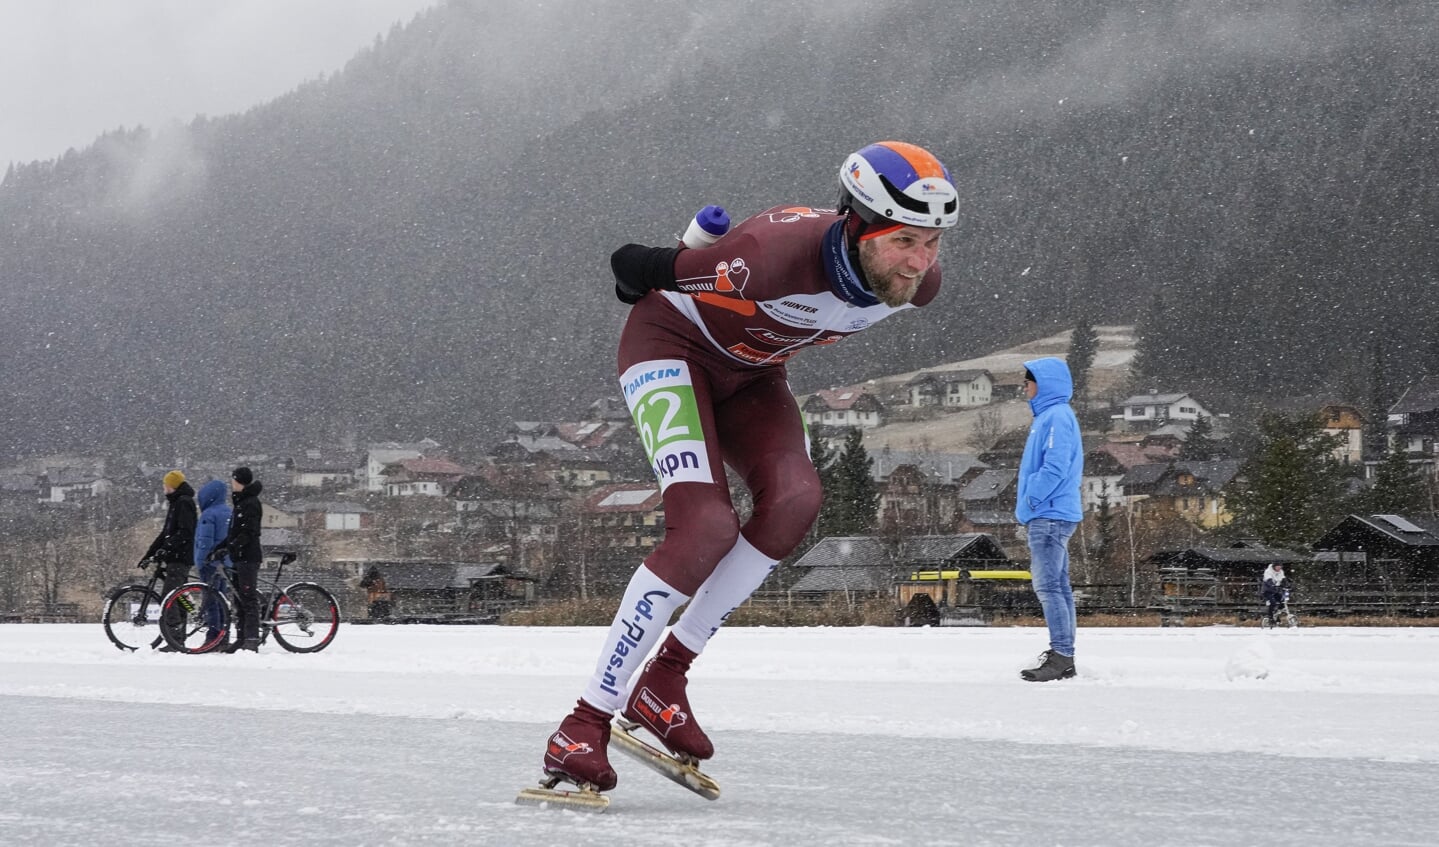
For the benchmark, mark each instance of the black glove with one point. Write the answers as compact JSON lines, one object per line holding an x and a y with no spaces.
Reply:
{"x":144,"y":563}
{"x":639,"y":270}
{"x":215,"y":555}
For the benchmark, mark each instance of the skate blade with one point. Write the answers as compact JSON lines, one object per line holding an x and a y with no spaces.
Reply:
{"x":581,"y":800}
{"x":662,"y":763}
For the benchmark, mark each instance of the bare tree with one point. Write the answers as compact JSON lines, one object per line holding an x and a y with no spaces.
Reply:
{"x":988,"y":427}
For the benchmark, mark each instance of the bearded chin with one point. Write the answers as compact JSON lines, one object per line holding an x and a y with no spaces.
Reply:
{"x":892,"y":297}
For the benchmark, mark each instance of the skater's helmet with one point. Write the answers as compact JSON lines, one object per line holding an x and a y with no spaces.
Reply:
{"x":892,"y":183}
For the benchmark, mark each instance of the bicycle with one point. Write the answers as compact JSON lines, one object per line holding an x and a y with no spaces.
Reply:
{"x":1282,"y":615}
{"x":132,"y":612}
{"x":302,"y":616}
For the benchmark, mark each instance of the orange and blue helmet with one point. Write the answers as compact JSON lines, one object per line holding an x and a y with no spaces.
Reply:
{"x":898,"y":184}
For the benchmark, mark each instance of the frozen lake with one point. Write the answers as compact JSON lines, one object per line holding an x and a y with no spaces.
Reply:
{"x":422,"y":735}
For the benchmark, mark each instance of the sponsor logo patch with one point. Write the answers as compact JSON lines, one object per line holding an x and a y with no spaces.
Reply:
{"x":661,"y":398}
{"x":660,"y":716}
{"x":561,"y":747}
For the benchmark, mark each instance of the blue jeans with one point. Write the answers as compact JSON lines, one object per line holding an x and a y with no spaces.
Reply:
{"x":210,"y":575}
{"x":1049,"y":572}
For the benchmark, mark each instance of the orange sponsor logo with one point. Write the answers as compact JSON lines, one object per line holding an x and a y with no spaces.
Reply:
{"x":734,"y":304}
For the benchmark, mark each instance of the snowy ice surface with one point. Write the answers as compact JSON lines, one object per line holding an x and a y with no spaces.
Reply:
{"x":422,"y":735}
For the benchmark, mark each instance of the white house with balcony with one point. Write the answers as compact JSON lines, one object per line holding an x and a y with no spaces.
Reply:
{"x":845,"y":407}
{"x":1147,"y":411}
{"x":379,"y":456}
{"x":962,"y":389}
{"x":65,"y":485}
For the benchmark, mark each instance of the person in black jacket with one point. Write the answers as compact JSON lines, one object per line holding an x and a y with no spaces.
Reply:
{"x":242,"y":545}
{"x":173,"y":549}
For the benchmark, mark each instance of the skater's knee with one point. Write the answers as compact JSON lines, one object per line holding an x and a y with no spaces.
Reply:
{"x":694,"y":544}
{"x":785,"y":508}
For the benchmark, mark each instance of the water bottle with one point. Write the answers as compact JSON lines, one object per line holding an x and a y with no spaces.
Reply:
{"x":708,"y":225}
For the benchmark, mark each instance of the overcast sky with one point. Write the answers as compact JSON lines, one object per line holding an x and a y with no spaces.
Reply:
{"x":73,"y":69}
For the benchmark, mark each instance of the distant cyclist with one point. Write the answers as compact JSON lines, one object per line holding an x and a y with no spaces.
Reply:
{"x":702,"y":367}
{"x":1274,"y":590}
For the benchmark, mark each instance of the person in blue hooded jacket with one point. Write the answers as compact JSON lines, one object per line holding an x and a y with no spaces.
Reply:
{"x":1048,"y":505}
{"x":214,"y":525}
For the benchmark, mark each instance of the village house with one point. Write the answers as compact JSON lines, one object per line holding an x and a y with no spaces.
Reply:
{"x":1190,"y":490}
{"x":1208,"y":576}
{"x":1413,"y":421}
{"x":1147,"y":411}
{"x":622,"y":517}
{"x":450,"y":592}
{"x":843,"y":408}
{"x":1400,"y":547}
{"x":859,"y":567}
{"x":68,"y":485}
{"x":987,"y":506}
{"x":279,"y":515}
{"x":381,"y":455}
{"x":918,"y":491}
{"x":1345,"y":423}
{"x":1102,"y":475}
{"x":314,"y":471}
{"x":329,"y":515}
{"x":422,"y":477}
{"x":962,"y":389}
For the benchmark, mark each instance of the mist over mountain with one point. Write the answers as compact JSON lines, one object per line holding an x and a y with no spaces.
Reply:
{"x":418,"y":244}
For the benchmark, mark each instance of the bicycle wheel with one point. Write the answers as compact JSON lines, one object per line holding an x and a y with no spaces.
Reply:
{"x":304,"y":618}
{"x":194,"y":618}
{"x":132,"y":617}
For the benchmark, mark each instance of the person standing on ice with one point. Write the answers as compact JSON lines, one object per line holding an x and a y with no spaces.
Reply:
{"x":702,"y":368}
{"x":214,"y":525}
{"x":174,"y":548}
{"x":1048,"y":505}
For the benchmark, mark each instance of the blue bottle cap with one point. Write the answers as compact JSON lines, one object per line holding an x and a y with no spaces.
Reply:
{"x":713,"y":220}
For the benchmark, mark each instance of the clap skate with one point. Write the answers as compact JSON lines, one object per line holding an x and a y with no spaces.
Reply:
{"x":577,"y":754}
{"x":658,"y":704}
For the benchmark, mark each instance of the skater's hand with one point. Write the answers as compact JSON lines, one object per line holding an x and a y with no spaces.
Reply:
{"x":144,"y":563}
{"x":639,"y":270}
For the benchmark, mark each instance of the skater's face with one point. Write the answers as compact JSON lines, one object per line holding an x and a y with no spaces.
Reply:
{"x":895,"y":263}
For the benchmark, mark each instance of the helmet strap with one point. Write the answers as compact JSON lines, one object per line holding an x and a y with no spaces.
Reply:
{"x":854,"y":228}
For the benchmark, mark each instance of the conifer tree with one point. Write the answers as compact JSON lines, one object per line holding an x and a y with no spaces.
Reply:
{"x":1291,"y":490}
{"x":1398,"y":488}
{"x":851,"y":498}
{"x":1104,"y":526}
{"x":1083,"y":347}
{"x":1199,"y":443}
{"x":1381,"y":396}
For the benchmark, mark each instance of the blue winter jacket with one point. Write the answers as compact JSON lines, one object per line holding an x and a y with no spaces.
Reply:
{"x":214,"y":522}
{"x":1053,"y":461}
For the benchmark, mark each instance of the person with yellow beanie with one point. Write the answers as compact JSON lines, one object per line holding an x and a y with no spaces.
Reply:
{"x":173,"y":550}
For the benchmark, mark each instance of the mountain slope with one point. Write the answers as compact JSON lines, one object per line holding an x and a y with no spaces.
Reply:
{"x":418,"y":244}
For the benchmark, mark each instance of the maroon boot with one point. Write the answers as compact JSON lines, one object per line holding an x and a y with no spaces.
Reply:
{"x":658,"y":702}
{"x":579,"y":749}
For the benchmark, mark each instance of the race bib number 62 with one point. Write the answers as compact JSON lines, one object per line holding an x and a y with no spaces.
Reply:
{"x":661,"y":398}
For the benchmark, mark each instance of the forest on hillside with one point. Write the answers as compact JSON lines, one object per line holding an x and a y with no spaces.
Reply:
{"x":417,"y":244}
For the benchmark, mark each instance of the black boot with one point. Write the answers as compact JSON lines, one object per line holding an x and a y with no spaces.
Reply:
{"x":1052,"y":666}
